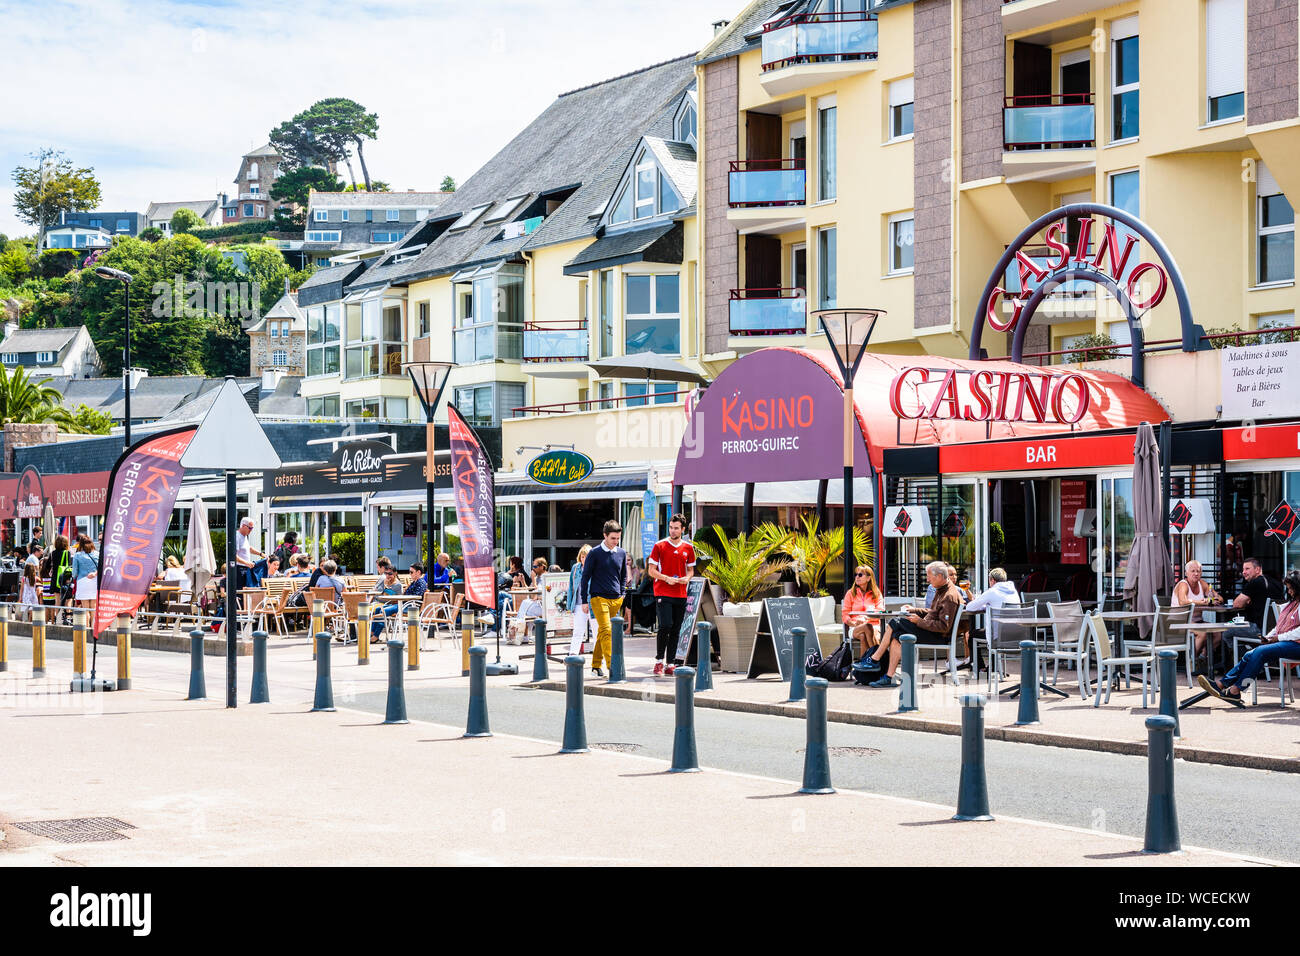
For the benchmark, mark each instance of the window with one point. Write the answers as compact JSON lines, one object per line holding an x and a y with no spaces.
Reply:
{"x":362,"y":408}
{"x":900,"y":108}
{"x":1278,"y":320}
{"x":82,"y":239}
{"x":900,"y":243}
{"x":252,"y":170}
{"x":469,"y":218}
{"x":1275,"y":226}
{"x":322,"y":261}
{"x":10,"y":358}
{"x":504,"y":210}
{"x":98,"y":224}
{"x":385,"y":237}
{"x":652,"y":314}
{"x":254,"y":189}
{"x":826,"y":293}
{"x":44,"y":358}
{"x":261,"y":210}
{"x":826,"y":182}
{"x":320,"y":215}
{"x":323,"y":334}
{"x":669,"y":200}
{"x":1124,"y":78}
{"x":623,"y":205}
{"x":1120,"y":332}
{"x":279,"y":357}
{"x":606,"y":392}
{"x":488,"y":404}
{"x":489,"y":317}
{"x":664,"y":393}
{"x":1225,"y":59}
{"x":375,"y":344}
{"x":248,"y":210}
{"x":606,"y":308}
{"x":323,"y":406}
{"x":423,"y":310}
{"x":124,"y":225}
{"x":343,"y":214}
{"x":274,"y":329}
{"x":645,"y":186}
{"x":392,"y":215}
{"x":687,"y":124}
{"x":324,"y":235}
{"x":1124,"y":194}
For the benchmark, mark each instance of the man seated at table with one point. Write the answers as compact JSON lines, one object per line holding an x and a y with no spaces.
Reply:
{"x":1001,"y":593}
{"x":327,"y":577}
{"x":300,"y":567}
{"x":440,"y":573}
{"x":1256,"y":589}
{"x":937,"y":620}
{"x":1279,"y":644}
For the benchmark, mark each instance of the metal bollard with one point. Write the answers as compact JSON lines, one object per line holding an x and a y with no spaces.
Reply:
{"x":38,"y":646}
{"x":78,"y":644}
{"x":575,"y":721}
{"x":317,"y":622}
{"x":617,"y":672}
{"x":123,"y":652}
{"x":412,"y":639}
{"x":363,"y":633}
{"x":798,"y":671}
{"x":1162,"y":815}
{"x":541,"y":668}
{"x":395,"y":713}
{"x":324,"y":700}
{"x":703,"y":642}
{"x":198,"y":686}
{"x":477,"y":724}
{"x":261,"y":688}
{"x":1167,"y":661}
{"x":907,"y":693}
{"x":1028,"y":712}
{"x":816,"y":755}
{"x":972,"y":790}
{"x":466,"y":639}
{"x":685,"y":759}
{"x":4,"y":639}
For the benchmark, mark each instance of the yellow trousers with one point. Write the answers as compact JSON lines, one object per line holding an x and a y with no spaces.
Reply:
{"x":602,"y":609}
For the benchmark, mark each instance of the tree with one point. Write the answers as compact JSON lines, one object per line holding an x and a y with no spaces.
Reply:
{"x":152,"y":234}
{"x":326,"y":133}
{"x":23,"y":402}
{"x":50,"y":187}
{"x":186,"y":220}
{"x":448,"y":184}
{"x":296,"y":185}
{"x":15,"y":263}
{"x":90,"y":421}
{"x":377,"y":186}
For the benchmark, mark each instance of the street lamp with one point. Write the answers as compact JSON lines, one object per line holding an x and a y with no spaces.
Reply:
{"x":429,"y":379}
{"x":104,"y":272}
{"x":848,"y":331}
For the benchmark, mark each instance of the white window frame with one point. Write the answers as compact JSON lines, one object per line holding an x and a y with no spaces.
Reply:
{"x":320,"y":215}
{"x":392,"y":215}
{"x":894,"y":221}
{"x":645,"y":162}
{"x":1123,"y":29}
{"x":823,"y":301}
{"x":324,"y":235}
{"x":827,"y":103}
{"x":1225,"y":55}
{"x":901,"y":95}
{"x":343,"y":215}
{"x":279,"y":358}
{"x":1266,"y":186}
{"x":654,"y":315}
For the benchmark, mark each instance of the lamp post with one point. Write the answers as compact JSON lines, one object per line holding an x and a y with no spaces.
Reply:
{"x":848,"y":331}
{"x":104,"y":272}
{"x":429,"y":379}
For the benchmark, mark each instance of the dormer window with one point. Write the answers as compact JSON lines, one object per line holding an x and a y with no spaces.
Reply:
{"x":469,"y":218}
{"x":646,"y":191}
{"x":252,"y":170}
{"x":687,"y":123}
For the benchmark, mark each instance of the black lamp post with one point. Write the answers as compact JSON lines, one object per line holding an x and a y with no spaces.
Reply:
{"x":429,"y":379}
{"x":848,"y":331}
{"x":104,"y":272}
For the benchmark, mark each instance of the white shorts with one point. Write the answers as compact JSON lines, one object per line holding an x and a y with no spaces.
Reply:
{"x":87,"y":590}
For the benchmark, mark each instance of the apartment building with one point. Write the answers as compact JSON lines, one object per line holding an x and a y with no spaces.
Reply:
{"x":361,"y":223}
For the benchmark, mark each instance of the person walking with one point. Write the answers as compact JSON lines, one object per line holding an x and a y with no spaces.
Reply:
{"x":85,"y":568}
{"x":244,"y":552}
{"x":583,"y":623}
{"x":604,"y":576}
{"x":671,"y":565}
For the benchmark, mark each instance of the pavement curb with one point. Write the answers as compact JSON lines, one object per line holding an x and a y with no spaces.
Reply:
{"x":1021,"y":735}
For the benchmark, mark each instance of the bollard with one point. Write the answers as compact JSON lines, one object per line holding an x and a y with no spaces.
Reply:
{"x":477,"y":724}
{"x":1167,"y":661}
{"x":4,"y":638}
{"x":907,"y":693}
{"x":684,"y":756}
{"x":78,"y":644}
{"x":413,"y":639}
{"x":816,"y":755}
{"x":363,"y":634}
{"x":575,"y":721}
{"x":798,"y":670}
{"x":972,"y":790}
{"x":1028,"y":713}
{"x":395,"y":713}
{"x":617,"y":673}
{"x":324,"y":700}
{"x":466,"y":639}
{"x":123,"y":652}
{"x":198,"y":687}
{"x":541,"y":670}
{"x":703,"y":673}
{"x":38,"y":646}
{"x":317,"y":622}
{"x":1162,"y":815}
{"x":261,"y":689}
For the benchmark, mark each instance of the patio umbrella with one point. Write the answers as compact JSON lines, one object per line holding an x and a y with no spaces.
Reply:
{"x":47,"y":522}
{"x":1149,"y":572}
{"x":200,"y":561}
{"x":649,"y":366}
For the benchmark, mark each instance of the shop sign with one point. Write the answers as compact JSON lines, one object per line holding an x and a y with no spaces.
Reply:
{"x":25,"y":495}
{"x":1264,"y":441}
{"x":1074,"y":501}
{"x":1191,"y":516}
{"x":366,"y":466}
{"x":987,"y":396}
{"x":907,"y":521}
{"x":560,"y":468}
{"x":1259,"y":381}
{"x":1282,"y":523}
{"x":1072,"y":451}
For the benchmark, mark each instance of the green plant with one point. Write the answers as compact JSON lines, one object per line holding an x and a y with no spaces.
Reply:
{"x":218,"y":545}
{"x":350,"y":546}
{"x":1262,"y":337}
{"x":739,"y":565}
{"x":997,"y":544}
{"x":23,"y":401}
{"x":811,"y":551}
{"x":172,"y":548}
{"x":1093,"y":348}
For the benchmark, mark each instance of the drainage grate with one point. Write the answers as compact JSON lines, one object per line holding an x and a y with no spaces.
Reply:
{"x":849,"y":751}
{"x":618,"y":748}
{"x":78,"y":830}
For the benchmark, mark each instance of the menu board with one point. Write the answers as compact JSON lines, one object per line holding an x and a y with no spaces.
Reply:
{"x":774,"y":646}
{"x":694,"y":597}
{"x":1074,"y":498}
{"x":558,"y":619}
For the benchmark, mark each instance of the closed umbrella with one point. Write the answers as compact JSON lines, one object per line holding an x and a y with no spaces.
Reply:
{"x":47,"y":521}
{"x":200,"y":561}
{"x":1149,"y":572}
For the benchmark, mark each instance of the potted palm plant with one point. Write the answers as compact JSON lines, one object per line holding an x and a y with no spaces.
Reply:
{"x":740,"y":566}
{"x":812,"y":551}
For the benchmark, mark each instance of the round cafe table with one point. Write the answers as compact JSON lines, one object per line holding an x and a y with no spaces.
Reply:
{"x":1205,"y":627}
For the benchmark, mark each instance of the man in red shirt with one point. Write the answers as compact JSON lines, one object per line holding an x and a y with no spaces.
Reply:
{"x":671,"y":565}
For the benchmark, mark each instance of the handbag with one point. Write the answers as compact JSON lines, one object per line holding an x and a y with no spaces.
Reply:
{"x":833,"y":668}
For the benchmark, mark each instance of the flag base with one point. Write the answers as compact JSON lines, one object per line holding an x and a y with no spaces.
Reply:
{"x":86,"y":685}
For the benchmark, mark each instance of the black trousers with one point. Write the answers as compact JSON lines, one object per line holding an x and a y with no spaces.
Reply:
{"x":669,"y":612}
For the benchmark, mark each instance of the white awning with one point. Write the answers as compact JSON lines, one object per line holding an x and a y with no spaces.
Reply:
{"x":784,"y":493}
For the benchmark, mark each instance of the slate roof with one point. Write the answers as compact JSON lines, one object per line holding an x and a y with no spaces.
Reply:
{"x":38,"y":340}
{"x":633,"y":245}
{"x":203,"y":208}
{"x":267,"y":150}
{"x":393,"y":200}
{"x":194,"y":409}
{"x":286,"y":308}
{"x":733,"y":40}
{"x":152,"y":397}
{"x":678,"y":161}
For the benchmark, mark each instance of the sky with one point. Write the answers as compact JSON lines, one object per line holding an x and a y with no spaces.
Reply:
{"x":162,"y":99}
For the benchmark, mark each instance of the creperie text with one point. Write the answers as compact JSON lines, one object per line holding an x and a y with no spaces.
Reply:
{"x":988,"y":396}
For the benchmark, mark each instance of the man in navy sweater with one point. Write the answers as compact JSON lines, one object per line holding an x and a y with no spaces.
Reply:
{"x":604,"y":576}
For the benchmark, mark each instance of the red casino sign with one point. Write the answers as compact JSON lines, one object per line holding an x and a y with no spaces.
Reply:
{"x":981,"y":395}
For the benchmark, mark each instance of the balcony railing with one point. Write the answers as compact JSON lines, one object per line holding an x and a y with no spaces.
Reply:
{"x":488,"y":342}
{"x":560,"y":341}
{"x":1049,"y":121}
{"x":604,"y":404}
{"x":769,"y":312}
{"x":818,"y":37}
{"x":767,"y":182}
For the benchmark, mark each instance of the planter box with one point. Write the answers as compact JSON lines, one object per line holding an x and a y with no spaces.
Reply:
{"x":736,"y":635}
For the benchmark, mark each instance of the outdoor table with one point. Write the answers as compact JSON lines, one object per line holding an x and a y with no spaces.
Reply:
{"x":1038,"y":623}
{"x":1205,"y":627}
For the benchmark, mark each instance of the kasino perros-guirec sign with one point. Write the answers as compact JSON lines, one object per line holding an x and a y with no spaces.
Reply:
{"x":560,"y":468}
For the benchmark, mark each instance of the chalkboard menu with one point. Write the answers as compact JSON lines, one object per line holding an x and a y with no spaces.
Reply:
{"x":694,"y":597}
{"x":774,"y":645}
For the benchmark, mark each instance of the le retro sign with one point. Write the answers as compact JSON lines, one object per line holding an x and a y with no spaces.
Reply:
{"x":560,"y":468}
{"x":365,"y":466}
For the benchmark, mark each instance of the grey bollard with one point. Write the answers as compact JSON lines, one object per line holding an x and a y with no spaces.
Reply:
{"x":575,"y":721}
{"x":261,"y":689}
{"x":816,"y":755}
{"x":396,"y":710}
{"x":684,"y":756}
{"x":703,"y":642}
{"x":1167,"y":661}
{"x":540,"y":669}
{"x":907,"y":693}
{"x":1162,"y":815}
{"x":324,"y":701}
{"x":617,"y":675}
{"x":1028,"y":712}
{"x":198,"y":688}
{"x":798,"y":672}
{"x":477,"y":723}
{"x":973,"y":789}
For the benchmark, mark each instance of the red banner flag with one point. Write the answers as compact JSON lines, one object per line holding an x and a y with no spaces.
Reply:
{"x":474,"y":485}
{"x":142,"y":490}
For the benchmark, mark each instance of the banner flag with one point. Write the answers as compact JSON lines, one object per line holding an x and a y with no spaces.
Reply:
{"x":142,"y":490}
{"x":474,"y":485}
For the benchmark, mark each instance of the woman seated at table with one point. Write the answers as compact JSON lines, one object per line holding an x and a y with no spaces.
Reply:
{"x":390,"y":586}
{"x":1281,"y":643}
{"x":1193,"y":590}
{"x":174,"y":574}
{"x":863,"y":605}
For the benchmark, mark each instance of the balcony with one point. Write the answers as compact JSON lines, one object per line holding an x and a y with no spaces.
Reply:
{"x":766,"y":312}
{"x":487,"y":342}
{"x":1048,"y":136}
{"x":765,"y":195}
{"x":814,"y":48}
{"x":1018,"y":15}
{"x":560,"y":341}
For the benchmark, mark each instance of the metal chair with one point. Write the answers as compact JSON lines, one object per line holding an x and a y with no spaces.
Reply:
{"x":950,"y":645}
{"x":1003,"y":636}
{"x":1068,"y":640}
{"x":1107,"y":664}
{"x":1037,"y":599}
{"x":1162,"y":637}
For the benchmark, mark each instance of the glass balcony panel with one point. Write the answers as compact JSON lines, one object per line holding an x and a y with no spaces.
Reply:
{"x":786,"y":315}
{"x":824,"y":37}
{"x":555,"y":345}
{"x":768,"y":187}
{"x":1049,"y":125}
